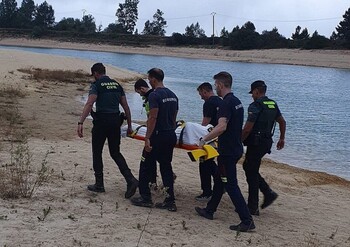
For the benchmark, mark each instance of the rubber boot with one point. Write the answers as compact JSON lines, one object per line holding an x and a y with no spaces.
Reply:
{"x":98,"y":186}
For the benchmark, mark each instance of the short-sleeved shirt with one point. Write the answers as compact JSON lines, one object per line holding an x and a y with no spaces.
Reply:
{"x":229,"y":142}
{"x":210,"y":109}
{"x":168,"y":104}
{"x":109,"y":93}
{"x":263,"y":112}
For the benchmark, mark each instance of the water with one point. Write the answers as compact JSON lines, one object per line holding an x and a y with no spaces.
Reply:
{"x":314,"y":101}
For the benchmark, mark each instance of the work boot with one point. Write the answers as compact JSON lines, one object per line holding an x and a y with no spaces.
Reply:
{"x":269,"y":199}
{"x":95,"y":188}
{"x":243,"y":227}
{"x":131,"y":188}
{"x":98,"y":186}
{"x":204,"y":213}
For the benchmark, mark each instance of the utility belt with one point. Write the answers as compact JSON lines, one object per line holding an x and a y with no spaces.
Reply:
{"x":256,"y":138}
{"x":100,"y":116}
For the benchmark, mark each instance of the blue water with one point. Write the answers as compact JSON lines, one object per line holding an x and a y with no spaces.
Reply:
{"x":314,"y":101}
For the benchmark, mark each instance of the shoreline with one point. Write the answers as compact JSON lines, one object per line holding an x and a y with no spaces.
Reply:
{"x":310,"y":210}
{"x":318,"y":58}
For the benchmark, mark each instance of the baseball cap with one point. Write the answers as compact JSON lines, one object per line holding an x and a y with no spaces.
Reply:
{"x":257,"y":84}
{"x":98,"y":67}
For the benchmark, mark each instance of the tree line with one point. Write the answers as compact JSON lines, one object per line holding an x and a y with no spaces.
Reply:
{"x":40,"y":19}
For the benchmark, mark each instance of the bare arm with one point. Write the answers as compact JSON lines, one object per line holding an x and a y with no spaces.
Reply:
{"x":124,"y":104}
{"x":151,"y":124}
{"x":86,"y":111}
{"x":282,"y":126}
{"x":247,"y":129}
{"x":217,"y":130}
{"x":206,"y":121}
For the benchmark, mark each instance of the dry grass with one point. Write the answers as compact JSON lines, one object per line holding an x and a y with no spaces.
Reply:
{"x":19,"y":176}
{"x":57,"y":75}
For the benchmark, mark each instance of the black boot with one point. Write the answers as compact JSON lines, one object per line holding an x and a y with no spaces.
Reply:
{"x":132,"y":185}
{"x":98,"y":186}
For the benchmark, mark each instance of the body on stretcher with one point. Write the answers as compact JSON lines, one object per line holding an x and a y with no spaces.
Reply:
{"x":188,"y":135}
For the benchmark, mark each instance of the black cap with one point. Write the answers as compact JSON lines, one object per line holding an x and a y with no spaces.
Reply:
{"x":99,"y":68}
{"x":257,"y":84}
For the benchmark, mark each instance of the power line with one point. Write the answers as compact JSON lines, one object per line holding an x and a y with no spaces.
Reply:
{"x":262,"y":20}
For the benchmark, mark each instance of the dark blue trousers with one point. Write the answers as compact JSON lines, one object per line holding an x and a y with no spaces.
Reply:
{"x":163,"y":144}
{"x":207,"y":169}
{"x":227,"y":168}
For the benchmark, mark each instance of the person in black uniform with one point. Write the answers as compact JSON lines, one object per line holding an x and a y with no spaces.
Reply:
{"x":141,"y":87}
{"x":207,"y":168}
{"x":107,"y":94}
{"x":160,"y":141}
{"x":229,"y":131}
{"x":257,"y":134}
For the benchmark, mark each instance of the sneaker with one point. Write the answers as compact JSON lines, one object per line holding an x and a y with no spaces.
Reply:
{"x":241,"y":227}
{"x":95,"y":188}
{"x":131,"y":188}
{"x":170,"y":206}
{"x":268,"y":200}
{"x":203,"y":198}
{"x":139,"y":201}
{"x":204,"y":213}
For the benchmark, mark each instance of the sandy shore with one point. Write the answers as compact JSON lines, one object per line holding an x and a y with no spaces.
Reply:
{"x":320,"y":58}
{"x":312,"y":208}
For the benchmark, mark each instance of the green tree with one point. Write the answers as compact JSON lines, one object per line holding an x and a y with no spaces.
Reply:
{"x":68,"y":24}
{"x":245,"y":38}
{"x":195,"y":31}
{"x":343,"y":28}
{"x":273,"y":39}
{"x":45,"y":15}
{"x":317,"y":42}
{"x":127,"y":14}
{"x":8,"y":13}
{"x":26,"y":14}
{"x":88,"y":24}
{"x":157,"y":26}
{"x":303,"y":35}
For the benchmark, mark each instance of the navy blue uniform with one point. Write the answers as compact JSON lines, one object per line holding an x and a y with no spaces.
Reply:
{"x":208,"y":168}
{"x":230,"y":151}
{"x":163,"y":140}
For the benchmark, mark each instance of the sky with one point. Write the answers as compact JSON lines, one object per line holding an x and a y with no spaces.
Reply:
{"x":285,"y":15}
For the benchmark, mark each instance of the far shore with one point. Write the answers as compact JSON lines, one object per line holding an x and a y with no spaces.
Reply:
{"x":319,"y":58}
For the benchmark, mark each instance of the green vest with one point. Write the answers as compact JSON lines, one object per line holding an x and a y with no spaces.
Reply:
{"x":266,"y":118}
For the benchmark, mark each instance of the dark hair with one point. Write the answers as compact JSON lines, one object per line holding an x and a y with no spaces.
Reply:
{"x":99,"y":68}
{"x":140,"y":83}
{"x":156,"y":73}
{"x":206,"y":86}
{"x":225,"y":78}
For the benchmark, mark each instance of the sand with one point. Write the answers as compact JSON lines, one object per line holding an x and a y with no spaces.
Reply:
{"x":311,"y":210}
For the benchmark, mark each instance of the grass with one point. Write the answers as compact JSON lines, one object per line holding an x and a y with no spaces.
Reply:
{"x":57,"y":75}
{"x":19,"y":176}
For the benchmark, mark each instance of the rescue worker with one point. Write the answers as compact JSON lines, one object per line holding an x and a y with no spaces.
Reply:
{"x":141,"y":87}
{"x":229,"y":131}
{"x":207,"y":168}
{"x":160,"y":141}
{"x":108,"y":94}
{"x":257,"y":134}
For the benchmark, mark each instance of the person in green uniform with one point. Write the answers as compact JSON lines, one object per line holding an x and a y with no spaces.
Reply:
{"x":108,"y":95}
{"x":257,"y":134}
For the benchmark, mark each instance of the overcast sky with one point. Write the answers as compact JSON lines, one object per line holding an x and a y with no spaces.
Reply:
{"x":286,"y":15}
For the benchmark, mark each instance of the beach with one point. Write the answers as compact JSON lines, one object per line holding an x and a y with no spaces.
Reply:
{"x":312,"y":208}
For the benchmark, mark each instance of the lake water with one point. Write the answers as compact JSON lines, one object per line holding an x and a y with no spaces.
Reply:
{"x":314,"y":101}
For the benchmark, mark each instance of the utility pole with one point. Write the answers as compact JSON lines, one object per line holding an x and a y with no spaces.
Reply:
{"x":213,"y":14}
